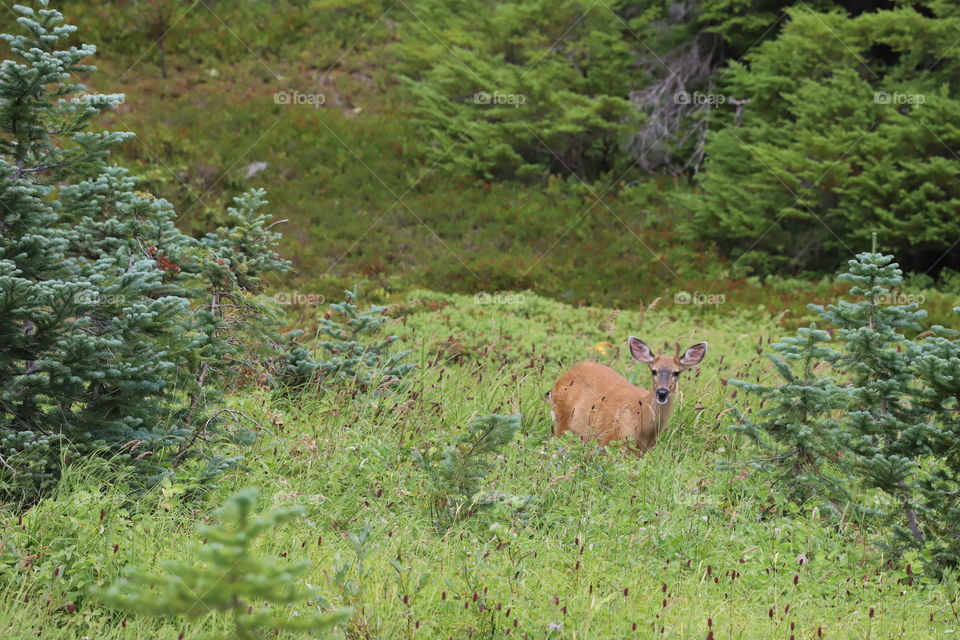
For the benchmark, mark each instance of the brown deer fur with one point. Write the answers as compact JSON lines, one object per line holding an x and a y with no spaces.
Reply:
{"x":597,"y":403}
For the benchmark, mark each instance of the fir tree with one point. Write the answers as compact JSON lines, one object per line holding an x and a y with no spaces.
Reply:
{"x":882,"y":425}
{"x":226,"y":574}
{"x":797,"y":426}
{"x":936,"y":364}
{"x":848,"y":131}
{"x":87,"y":322}
{"x":457,"y":471}
{"x":871,"y":427}
{"x":236,"y":331}
{"x":355,"y":352}
{"x":107,"y":312}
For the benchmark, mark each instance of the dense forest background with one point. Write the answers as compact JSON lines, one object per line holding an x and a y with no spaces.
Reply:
{"x":604,"y":153}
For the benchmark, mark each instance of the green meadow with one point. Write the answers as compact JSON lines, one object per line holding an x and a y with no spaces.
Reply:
{"x":596,"y":543}
{"x":506,"y":243}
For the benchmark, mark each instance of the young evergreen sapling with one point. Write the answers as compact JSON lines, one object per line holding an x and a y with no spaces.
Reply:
{"x":225,"y":574}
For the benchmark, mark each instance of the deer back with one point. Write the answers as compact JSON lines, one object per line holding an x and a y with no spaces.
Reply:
{"x":598,"y":403}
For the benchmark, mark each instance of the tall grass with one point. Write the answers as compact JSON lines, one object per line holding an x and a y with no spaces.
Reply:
{"x":605,"y":546}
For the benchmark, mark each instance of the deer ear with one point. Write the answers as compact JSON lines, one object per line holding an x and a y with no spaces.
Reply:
{"x":640,"y":351}
{"x":694,"y":355}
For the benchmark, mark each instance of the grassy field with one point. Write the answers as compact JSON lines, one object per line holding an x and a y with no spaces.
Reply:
{"x":688,"y":542}
{"x":598,"y":545}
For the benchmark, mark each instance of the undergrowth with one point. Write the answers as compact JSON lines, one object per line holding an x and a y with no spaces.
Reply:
{"x":607,"y":546}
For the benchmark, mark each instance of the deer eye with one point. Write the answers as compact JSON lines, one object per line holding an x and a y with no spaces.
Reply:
{"x":676,"y":374}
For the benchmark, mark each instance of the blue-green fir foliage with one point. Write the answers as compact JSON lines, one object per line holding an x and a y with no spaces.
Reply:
{"x":107,"y":312}
{"x":261,"y":594}
{"x":866,"y":421}
{"x":353,"y":351}
{"x":456,"y":472}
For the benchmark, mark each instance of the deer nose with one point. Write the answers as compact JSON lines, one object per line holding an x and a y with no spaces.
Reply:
{"x":662,"y":394}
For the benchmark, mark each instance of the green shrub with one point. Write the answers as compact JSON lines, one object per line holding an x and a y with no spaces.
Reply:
{"x":742,"y":24}
{"x":225,"y":574}
{"x":519,"y":88}
{"x":457,"y":471}
{"x":849,"y":132}
{"x":113,"y":322}
{"x":866,"y":422}
{"x":354,"y":353}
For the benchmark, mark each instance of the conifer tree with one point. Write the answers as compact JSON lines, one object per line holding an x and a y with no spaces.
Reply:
{"x":797,"y":425}
{"x":226,"y":574}
{"x":936,"y":363}
{"x":86,"y":320}
{"x":102,"y":299}
{"x":876,"y":420}
{"x":457,"y":471}
{"x":848,"y":132}
{"x":885,"y":432}
{"x":354,"y":350}
{"x":499,"y":103}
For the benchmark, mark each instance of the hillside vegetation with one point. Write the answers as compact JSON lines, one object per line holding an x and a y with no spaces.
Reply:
{"x":198,"y":441}
{"x":402,"y":178}
{"x":589,"y":544}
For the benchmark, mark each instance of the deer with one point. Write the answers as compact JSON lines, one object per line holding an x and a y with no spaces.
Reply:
{"x":597,"y":403}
